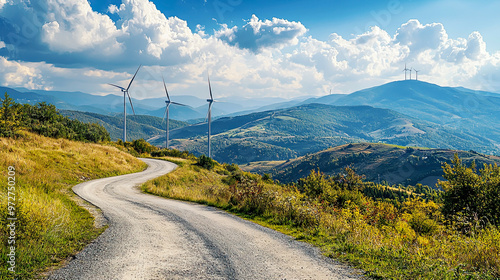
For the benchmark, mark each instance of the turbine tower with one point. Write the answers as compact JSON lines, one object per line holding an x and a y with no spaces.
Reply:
{"x":416,"y":74}
{"x":125,"y":93}
{"x":405,"y":70}
{"x":410,"y":72}
{"x":168,"y":103}
{"x":209,"y":115}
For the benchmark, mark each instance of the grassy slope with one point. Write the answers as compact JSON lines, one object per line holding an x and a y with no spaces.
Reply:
{"x":394,"y":164}
{"x":139,"y":126}
{"x":373,"y":236}
{"x":51,"y":226}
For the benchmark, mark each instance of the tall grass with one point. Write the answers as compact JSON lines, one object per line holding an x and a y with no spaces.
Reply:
{"x":410,"y":241}
{"x":50,"y":225}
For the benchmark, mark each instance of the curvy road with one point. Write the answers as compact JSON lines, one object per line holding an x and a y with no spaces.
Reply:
{"x":151,"y":237}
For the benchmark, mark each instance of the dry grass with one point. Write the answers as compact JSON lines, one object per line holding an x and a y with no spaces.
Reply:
{"x":50,"y":226}
{"x":384,"y":241}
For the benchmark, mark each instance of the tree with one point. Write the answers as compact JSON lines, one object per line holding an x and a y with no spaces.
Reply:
{"x":9,"y":117}
{"x":471,"y":194}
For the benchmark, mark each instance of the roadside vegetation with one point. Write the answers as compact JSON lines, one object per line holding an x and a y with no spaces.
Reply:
{"x":50,"y":225}
{"x":411,"y":233}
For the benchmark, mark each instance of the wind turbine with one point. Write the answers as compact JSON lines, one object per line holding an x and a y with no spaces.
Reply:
{"x":410,"y":72}
{"x":405,"y":70}
{"x":168,"y":103}
{"x":209,"y":115}
{"x":416,"y":73}
{"x":125,"y":93}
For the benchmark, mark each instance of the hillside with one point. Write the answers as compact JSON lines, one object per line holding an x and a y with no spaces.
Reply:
{"x":463,"y":109}
{"x":138,"y":126}
{"x":389,"y":232}
{"x":378,"y":162}
{"x":314,"y":127}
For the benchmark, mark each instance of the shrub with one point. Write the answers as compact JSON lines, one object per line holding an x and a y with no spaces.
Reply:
{"x":172,"y":153}
{"x":470,"y":195}
{"x":141,"y":146}
{"x":205,"y":162}
{"x":45,"y":120}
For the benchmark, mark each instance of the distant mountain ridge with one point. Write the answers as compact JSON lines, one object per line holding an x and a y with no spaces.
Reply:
{"x":113,"y":104}
{"x":429,"y":115}
{"x":466,"y":110}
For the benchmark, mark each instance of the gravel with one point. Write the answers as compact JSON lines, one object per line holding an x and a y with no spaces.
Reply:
{"x":155,"y":238}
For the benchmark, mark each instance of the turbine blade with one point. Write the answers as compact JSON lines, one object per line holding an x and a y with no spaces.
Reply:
{"x":133,"y":77}
{"x":165,"y":86}
{"x":117,"y":86}
{"x":164,"y":115}
{"x":210,"y":88}
{"x":209,"y":111}
{"x":179,"y":104}
{"x":131,"y":105}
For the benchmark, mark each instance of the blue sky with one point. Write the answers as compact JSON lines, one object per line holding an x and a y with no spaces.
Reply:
{"x":251,"y":48}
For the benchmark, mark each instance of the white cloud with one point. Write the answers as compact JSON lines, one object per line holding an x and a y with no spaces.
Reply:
{"x":2,"y":45}
{"x":72,"y":26}
{"x":420,"y":37}
{"x":20,"y":74}
{"x":258,"y":34}
{"x":79,"y":47}
{"x":148,"y":34}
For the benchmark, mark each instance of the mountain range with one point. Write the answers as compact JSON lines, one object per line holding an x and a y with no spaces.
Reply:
{"x":463,"y":109}
{"x":288,"y":133}
{"x":409,"y":113}
{"x":113,"y":104}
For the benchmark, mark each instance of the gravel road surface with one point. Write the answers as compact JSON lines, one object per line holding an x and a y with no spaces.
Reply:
{"x":155,"y":238}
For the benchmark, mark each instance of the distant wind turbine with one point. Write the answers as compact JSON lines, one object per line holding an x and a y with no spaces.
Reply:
{"x":125,"y":93}
{"x":168,"y":102}
{"x":209,"y":115}
{"x":411,"y":69}
{"x":416,"y":73}
{"x":405,"y":70}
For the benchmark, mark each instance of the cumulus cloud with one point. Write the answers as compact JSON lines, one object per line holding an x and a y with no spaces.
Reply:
{"x":420,"y":37}
{"x":258,"y":34}
{"x":18,"y":74}
{"x":72,"y":26}
{"x":61,"y":29}
{"x":147,"y":31}
{"x":67,"y":45}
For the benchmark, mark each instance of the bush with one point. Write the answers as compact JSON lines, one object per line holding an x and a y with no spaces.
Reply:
{"x":205,"y":162}
{"x":45,"y":120}
{"x":172,"y":153}
{"x":141,"y":146}
{"x":469,"y":195}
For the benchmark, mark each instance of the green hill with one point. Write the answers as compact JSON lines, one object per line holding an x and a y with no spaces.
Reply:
{"x":138,"y":126}
{"x":314,"y":127}
{"x":378,"y":162}
{"x":459,"y":108}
